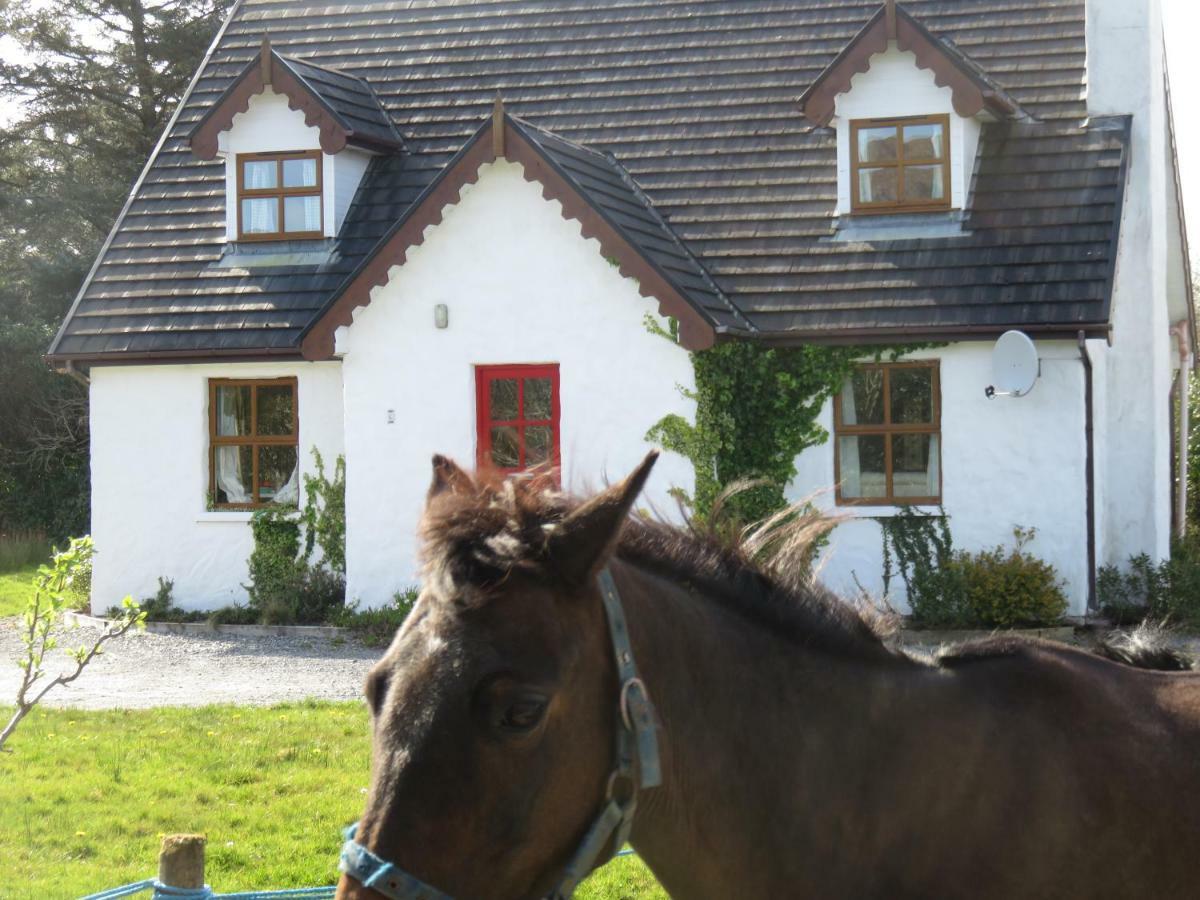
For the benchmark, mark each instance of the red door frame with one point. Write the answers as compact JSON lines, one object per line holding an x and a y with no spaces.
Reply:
{"x":484,"y":374}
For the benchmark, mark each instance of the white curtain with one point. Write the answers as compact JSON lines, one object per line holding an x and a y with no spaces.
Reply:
{"x":259,"y":215}
{"x":289,"y":493}
{"x":933,"y":479}
{"x":848,"y":447}
{"x":229,"y":459}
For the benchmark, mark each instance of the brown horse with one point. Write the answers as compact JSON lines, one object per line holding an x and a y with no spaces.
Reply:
{"x":801,"y":757}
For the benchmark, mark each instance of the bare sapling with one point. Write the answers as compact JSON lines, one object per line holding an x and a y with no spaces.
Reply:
{"x":43,"y":626}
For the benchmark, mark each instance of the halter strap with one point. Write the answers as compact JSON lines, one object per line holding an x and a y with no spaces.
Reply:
{"x":637,"y":766}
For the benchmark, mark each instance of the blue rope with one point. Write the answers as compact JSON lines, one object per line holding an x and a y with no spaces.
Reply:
{"x":166,"y":892}
{"x":123,"y":891}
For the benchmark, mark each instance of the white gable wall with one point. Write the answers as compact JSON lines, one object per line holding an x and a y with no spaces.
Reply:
{"x":1005,"y":462}
{"x":149,"y":455}
{"x":269,"y":125}
{"x":1125,"y":66}
{"x":894,"y":87}
{"x":521,"y":286}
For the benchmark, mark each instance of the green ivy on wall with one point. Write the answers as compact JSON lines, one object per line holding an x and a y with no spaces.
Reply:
{"x":756,"y":410}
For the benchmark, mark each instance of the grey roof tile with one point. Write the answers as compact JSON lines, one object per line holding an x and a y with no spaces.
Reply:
{"x":693,"y":143}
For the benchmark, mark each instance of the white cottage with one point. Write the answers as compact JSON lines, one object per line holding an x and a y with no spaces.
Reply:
{"x":345,"y":242}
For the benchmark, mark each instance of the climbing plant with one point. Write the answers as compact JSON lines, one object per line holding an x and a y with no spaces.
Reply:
{"x":756,"y":410}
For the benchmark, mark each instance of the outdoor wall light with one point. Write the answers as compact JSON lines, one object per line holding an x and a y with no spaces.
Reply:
{"x":441,"y":315}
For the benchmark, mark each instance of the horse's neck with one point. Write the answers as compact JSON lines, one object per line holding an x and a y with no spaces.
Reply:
{"x":750,"y":720}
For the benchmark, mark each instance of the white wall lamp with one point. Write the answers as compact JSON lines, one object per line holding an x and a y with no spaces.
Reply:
{"x":441,"y":316}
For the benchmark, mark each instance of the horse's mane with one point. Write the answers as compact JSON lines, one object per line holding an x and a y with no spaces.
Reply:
{"x":476,"y":539}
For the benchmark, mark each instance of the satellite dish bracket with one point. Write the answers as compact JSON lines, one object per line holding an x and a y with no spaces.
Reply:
{"x":990,"y":391}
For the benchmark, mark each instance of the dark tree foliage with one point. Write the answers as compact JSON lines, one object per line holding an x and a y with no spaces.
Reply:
{"x":88,"y":99}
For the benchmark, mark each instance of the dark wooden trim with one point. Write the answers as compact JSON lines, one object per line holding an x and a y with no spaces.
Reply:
{"x":279,"y":192}
{"x":941,"y":334}
{"x":901,"y":204}
{"x":969,"y":96}
{"x":317,"y":340}
{"x":270,"y":69}
{"x":253,"y":440}
{"x":889,"y":430}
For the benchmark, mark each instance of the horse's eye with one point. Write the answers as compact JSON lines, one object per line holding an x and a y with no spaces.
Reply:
{"x":523,"y":714}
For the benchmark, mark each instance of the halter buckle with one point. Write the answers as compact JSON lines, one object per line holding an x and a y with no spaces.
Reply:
{"x":626,"y":689}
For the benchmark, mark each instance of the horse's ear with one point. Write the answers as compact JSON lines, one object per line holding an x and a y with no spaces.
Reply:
{"x":581,"y":543}
{"x":447,"y":476}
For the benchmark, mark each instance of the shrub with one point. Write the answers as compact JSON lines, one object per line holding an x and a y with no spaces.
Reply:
{"x":161,"y":607}
{"x":1006,"y":588}
{"x":286,"y":587}
{"x":42,"y":625}
{"x":377,"y":627}
{"x":1168,"y":591}
{"x":950,"y":588}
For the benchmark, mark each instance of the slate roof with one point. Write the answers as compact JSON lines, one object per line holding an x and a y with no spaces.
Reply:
{"x":349,"y":98}
{"x":692,"y":104}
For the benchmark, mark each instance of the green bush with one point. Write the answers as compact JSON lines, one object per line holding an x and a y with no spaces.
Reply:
{"x":286,"y":587}
{"x":377,"y":627}
{"x":1007,"y":588}
{"x":1168,"y":591}
{"x":950,"y":588}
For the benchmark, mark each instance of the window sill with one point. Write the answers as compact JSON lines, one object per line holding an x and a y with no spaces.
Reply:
{"x":274,"y":254}
{"x":886,"y":511}
{"x":906,"y":226}
{"x":224,"y":516}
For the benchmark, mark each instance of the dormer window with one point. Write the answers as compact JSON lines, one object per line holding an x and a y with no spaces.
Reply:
{"x":279,"y":196}
{"x":900,"y":165}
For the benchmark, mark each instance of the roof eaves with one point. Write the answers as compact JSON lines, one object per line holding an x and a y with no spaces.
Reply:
{"x":52,"y":353}
{"x":270,"y":68}
{"x":972,"y":88}
{"x":316,"y":340}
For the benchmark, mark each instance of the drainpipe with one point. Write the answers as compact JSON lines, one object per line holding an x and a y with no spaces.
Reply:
{"x":1185,"y":368}
{"x":1090,"y":469}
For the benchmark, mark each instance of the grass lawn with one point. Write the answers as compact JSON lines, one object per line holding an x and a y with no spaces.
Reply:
{"x":85,"y":797}
{"x":15,"y":590}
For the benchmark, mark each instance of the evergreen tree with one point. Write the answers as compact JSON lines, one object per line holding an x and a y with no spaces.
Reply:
{"x":90,"y":85}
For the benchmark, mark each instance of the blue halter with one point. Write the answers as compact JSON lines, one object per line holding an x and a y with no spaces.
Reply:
{"x":637,"y":766}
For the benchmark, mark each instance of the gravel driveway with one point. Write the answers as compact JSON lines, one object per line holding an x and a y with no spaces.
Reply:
{"x":141,"y":670}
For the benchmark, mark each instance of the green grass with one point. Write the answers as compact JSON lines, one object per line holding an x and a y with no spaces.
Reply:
{"x":85,"y":797}
{"x":15,"y":590}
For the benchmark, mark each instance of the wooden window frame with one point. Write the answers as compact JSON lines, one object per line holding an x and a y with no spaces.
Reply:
{"x":216,"y":441}
{"x":279,"y":192}
{"x":899,"y":205}
{"x":889,"y":430}
{"x":484,"y":374}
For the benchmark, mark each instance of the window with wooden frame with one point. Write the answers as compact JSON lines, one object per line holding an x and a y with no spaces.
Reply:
{"x":279,"y":196}
{"x":253,"y":433}
{"x":518,"y":424}
{"x":887,"y":435}
{"x":900,"y":165}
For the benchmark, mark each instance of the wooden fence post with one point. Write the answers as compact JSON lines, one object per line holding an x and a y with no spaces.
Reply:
{"x":181,"y":861}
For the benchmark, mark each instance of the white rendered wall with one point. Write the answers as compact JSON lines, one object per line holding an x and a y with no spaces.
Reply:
{"x":269,"y":126}
{"x":522,"y":286}
{"x":1005,"y":462}
{"x":894,"y":87}
{"x":349,"y":166}
{"x":1125,"y":65}
{"x":149,"y":452}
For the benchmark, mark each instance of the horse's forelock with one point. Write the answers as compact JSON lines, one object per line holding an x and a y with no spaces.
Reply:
{"x":473,"y":541}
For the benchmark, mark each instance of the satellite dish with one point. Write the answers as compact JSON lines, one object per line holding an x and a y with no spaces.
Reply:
{"x":1015,"y":366}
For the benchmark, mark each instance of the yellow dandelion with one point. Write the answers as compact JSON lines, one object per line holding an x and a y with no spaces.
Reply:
{"x":212,"y":734}
{"x":81,"y":834}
